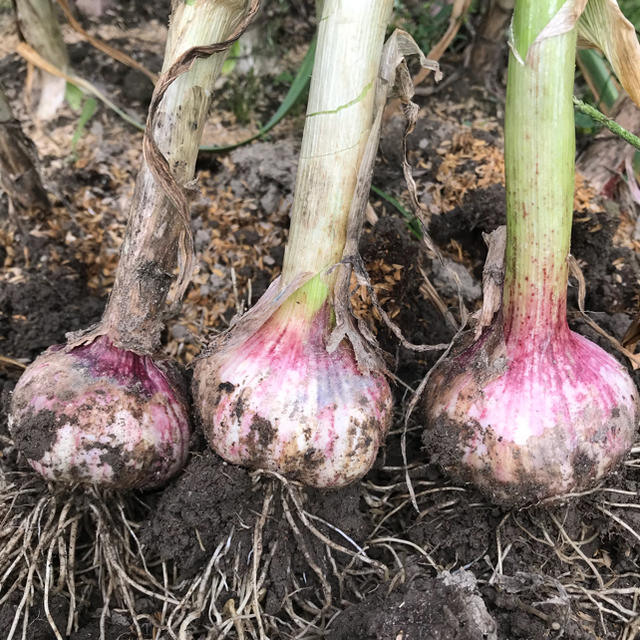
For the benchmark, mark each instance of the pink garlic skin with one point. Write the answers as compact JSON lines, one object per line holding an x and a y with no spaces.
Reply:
{"x":101,"y":415}
{"x":281,"y":402}
{"x":525,"y":421}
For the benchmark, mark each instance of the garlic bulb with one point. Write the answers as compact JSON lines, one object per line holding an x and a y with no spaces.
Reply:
{"x":280,"y":401}
{"x":524,"y":420}
{"x":97,"y":414}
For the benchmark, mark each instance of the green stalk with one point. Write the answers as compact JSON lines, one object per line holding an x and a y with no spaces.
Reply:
{"x":539,"y":163}
{"x":149,"y":252}
{"x":612,"y":125}
{"x":599,"y":77}
{"x":339,"y":118}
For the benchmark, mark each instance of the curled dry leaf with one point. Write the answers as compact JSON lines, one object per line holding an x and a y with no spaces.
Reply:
{"x":396,"y":49}
{"x":562,"y":22}
{"x":603,"y":26}
{"x":492,"y":277}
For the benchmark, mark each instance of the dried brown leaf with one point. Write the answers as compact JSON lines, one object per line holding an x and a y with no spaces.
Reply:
{"x":603,"y":26}
{"x":492,"y":277}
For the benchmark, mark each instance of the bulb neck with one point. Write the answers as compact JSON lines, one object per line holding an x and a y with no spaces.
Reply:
{"x":339,"y":118}
{"x":149,"y":254}
{"x":540,"y":166}
{"x":307,"y":312}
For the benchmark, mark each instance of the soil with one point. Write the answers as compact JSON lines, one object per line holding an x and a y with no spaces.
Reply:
{"x":448,"y":607}
{"x":37,"y":313}
{"x":457,"y":566}
{"x":212,"y":496}
{"x":612,"y":271}
{"x":38,"y":628}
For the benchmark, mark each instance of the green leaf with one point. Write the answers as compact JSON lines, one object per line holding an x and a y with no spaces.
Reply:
{"x":602,"y":79}
{"x":412,"y":222}
{"x":230,"y":63}
{"x":74,"y":97}
{"x":297,"y":88}
{"x":88,"y":110}
{"x":631,"y":9}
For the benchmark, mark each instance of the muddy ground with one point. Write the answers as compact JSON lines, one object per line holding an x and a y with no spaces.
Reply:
{"x":441,"y":563}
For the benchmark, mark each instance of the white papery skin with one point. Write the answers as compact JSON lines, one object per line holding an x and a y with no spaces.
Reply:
{"x":100,"y":415}
{"x":524,"y":423}
{"x":280,"y":401}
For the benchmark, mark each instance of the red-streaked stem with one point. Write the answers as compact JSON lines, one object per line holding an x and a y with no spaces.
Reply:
{"x":539,"y":161}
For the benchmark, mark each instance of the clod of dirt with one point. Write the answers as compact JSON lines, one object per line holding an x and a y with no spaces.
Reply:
{"x":447,"y":607}
{"x":266,"y":171}
{"x":482,"y":211}
{"x":212,"y":498}
{"x":390,"y":243}
{"x":612,"y":272}
{"x":36,"y":313}
{"x":199,"y":509}
{"x":428,"y":135}
{"x":111,"y":632}
{"x":451,"y":277}
{"x":39,"y":311}
{"x":38,"y":627}
{"x":473,"y":520}
{"x":214,"y":505}
{"x":550,"y":617}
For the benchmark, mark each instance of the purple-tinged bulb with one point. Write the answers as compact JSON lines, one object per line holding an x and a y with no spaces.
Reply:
{"x":527,"y":420}
{"x":280,"y":401}
{"x":97,"y":414}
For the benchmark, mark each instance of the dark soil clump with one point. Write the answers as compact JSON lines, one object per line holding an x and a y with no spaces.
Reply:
{"x":112,"y":632}
{"x":36,"y":433}
{"x":199,"y":509}
{"x":38,"y":627}
{"x":447,"y":607}
{"x":418,"y":317}
{"x":214,"y":505}
{"x":612,"y":272}
{"x":38,"y":312}
{"x":526,"y":594}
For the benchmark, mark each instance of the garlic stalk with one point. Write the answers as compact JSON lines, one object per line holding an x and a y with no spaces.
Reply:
{"x":39,"y":27}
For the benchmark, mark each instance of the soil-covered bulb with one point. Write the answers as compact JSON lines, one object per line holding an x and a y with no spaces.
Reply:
{"x":280,"y":401}
{"x":526,"y":420}
{"x":97,"y":414}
